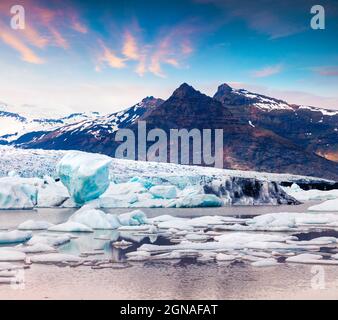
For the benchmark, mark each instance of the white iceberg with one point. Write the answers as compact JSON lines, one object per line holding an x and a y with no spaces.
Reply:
{"x":199,"y":201}
{"x":14,"y":236}
{"x":134,"y":218}
{"x":52,"y":194}
{"x":329,"y":205}
{"x":54,"y":258}
{"x":17,"y":193}
{"x":6,"y":254}
{"x":93,"y":218}
{"x":49,"y":239}
{"x":70,"y":226}
{"x":35,"y":225}
{"x":310,"y":195}
{"x":86,"y":175}
{"x":35,"y":248}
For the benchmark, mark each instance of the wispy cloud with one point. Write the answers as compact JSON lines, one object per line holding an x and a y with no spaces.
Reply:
{"x":327,"y":71}
{"x":170,"y":47}
{"x":267,"y":71}
{"x":109,"y":57}
{"x":26,"y":53}
{"x":45,"y":27}
{"x":130,"y":48}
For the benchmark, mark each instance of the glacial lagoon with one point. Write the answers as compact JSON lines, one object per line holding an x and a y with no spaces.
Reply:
{"x":117,"y":278}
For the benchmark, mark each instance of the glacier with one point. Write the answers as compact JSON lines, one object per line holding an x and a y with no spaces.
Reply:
{"x":116,"y":183}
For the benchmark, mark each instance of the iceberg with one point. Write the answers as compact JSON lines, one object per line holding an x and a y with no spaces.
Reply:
{"x":134,"y":218}
{"x":199,"y":200}
{"x":17,"y":193}
{"x":52,"y":194}
{"x":163,"y":192}
{"x":329,"y":205}
{"x":54,"y":258}
{"x":34,"y":225}
{"x":94,"y":219}
{"x":49,"y":239}
{"x":70,"y":226}
{"x":85,"y":175}
{"x":7,"y":254}
{"x":14,"y":236}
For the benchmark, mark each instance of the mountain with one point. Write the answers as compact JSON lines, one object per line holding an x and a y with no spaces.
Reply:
{"x":89,"y":135}
{"x":313,"y":129}
{"x":14,"y":125}
{"x":248,"y":144}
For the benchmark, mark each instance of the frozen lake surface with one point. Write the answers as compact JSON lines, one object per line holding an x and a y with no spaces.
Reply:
{"x":172,"y":279}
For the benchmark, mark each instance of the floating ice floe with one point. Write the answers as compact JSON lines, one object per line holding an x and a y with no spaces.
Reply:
{"x":8,"y":254}
{"x":310,"y":195}
{"x":199,"y":200}
{"x":70,"y":226}
{"x":34,"y":225}
{"x":54,"y":258}
{"x":35,"y":248}
{"x":329,"y":205}
{"x":14,"y":236}
{"x":265,"y":263}
{"x":85,"y":175}
{"x":93,"y":218}
{"x":49,"y":239}
{"x":134,"y":218}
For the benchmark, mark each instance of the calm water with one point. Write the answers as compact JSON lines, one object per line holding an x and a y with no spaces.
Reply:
{"x":161,"y":280}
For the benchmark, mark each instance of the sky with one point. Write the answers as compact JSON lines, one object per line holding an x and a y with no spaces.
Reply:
{"x":108,"y":55}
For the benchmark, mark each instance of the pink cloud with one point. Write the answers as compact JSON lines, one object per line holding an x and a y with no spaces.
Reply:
{"x":27,"y":54}
{"x":109,"y":57}
{"x":329,"y":71}
{"x":267,"y":71}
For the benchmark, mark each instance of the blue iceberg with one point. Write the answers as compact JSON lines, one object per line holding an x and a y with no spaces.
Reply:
{"x":85,"y":175}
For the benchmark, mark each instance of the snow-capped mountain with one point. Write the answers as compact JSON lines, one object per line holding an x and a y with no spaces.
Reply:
{"x":13,"y":125}
{"x":86,"y":133}
{"x":253,"y":125}
{"x":314,"y":129}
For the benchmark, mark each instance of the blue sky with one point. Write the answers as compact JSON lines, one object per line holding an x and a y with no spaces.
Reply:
{"x":87,"y":55}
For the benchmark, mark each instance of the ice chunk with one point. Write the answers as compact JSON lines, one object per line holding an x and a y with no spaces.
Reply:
{"x":133,"y":218}
{"x":225,"y":257}
{"x":11,"y":255}
{"x":307,"y":258}
{"x":49,"y":239}
{"x":309,"y":195}
{"x":17,"y":193}
{"x":34,"y":225}
{"x":52,"y":194}
{"x":85,"y":175}
{"x":93,"y":218}
{"x":330,"y":205}
{"x":199,"y":200}
{"x":265,"y":262}
{"x":54,"y":258}
{"x":70,"y":226}
{"x":36,"y":248}
{"x":163,"y":192}
{"x":14,"y":236}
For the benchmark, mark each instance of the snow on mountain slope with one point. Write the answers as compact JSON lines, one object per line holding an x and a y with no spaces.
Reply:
{"x":103,"y":126}
{"x":14,"y":124}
